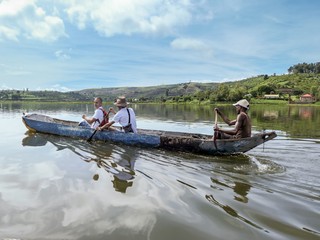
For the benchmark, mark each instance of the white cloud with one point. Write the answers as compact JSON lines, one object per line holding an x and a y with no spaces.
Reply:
{"x":8,"y":33}
{"x":29,"y":18}
{"x":111,"y":17}
{"x":23,"y":18}
{"x":13,"y":7}
{"x":191,"y":44}
{"x":56,"y":87}
{"x":61,"y":55}
{"x":49,"y":28}
{"x":188,"y":43}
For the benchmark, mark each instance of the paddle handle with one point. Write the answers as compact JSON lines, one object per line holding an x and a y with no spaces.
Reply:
{"x":216,"y":118}
{"x":215,"y":135}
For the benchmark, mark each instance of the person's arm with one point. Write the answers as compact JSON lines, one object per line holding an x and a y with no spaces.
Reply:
{"x":89,"y":120}
{"x":238,"y":125}
{"x":106,"y":126}
{"x":230,"y":132}
{"x":98,"y":115}
{"x":112,"y":110}
{"x":225,"y":118}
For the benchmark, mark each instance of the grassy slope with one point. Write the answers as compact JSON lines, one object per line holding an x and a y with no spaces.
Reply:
{"x":307,"y":83}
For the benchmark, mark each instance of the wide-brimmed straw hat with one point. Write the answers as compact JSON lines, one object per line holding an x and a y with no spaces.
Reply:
{"x":121,"y":102}
{"x":243,"y":103}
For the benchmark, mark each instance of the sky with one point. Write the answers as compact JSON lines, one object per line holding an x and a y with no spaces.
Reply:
{"x":69,"y":45}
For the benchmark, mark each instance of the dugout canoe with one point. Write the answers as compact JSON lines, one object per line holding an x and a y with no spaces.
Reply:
{"x":187,"y":142}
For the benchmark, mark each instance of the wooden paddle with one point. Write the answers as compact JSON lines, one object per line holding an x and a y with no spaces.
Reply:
{"x":90,"y":138}
{"x":215,"y":135}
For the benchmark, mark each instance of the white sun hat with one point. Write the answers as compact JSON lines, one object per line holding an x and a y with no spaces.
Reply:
{"x":243,"y":103}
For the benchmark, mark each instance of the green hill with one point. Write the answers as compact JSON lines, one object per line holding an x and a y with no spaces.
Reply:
{"x":152,"y":93}
{"x":257,"y":87}
{"x":254,"y":87}
{"x":299,"y":83}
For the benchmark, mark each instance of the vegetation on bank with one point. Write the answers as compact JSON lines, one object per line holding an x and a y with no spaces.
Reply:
{"x":302,"y":78}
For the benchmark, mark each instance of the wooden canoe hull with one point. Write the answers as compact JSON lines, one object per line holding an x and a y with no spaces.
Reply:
{"x":197,"y":143}
{"x":45,"y":124}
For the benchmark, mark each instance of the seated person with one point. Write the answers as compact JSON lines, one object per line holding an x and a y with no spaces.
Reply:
{"x":242,"y":123}
{"x":125,"y":117}
{"x":98,"y":116}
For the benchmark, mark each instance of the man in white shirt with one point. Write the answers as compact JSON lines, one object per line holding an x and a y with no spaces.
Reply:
{"x":125,"y":117}
{"x":97,"y":117}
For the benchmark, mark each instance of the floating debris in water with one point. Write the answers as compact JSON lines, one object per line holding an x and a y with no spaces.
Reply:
{"x":96,"y":177}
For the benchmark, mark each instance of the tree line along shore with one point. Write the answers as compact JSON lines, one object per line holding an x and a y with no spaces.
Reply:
{"x":263,"y":88}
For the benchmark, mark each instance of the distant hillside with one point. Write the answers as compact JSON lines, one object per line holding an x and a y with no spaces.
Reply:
{"x":255,"y":87}
{"x":302,"y":78}
{"x":295,"y":84}
{"x":300,"y":82}
{"x":152,"y":93}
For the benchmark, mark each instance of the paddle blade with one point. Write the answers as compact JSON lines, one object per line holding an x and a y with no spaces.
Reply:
{"x":90,"y":138}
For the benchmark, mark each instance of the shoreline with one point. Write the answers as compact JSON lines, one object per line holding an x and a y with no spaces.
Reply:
{"x":252,"y":101}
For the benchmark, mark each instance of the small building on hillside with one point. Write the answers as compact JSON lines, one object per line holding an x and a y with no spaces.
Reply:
{"x":272,"y":96}
{"x":307,"y":98}
{"x":285,"y":91}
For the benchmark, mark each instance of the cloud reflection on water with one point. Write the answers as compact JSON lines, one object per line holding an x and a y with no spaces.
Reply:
{"x":57,"y":198}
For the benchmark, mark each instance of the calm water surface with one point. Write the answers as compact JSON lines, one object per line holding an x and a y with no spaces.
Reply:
{"x":61,"y":188}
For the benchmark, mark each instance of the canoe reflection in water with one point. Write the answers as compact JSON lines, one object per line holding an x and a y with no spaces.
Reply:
{"x":113,"y":159}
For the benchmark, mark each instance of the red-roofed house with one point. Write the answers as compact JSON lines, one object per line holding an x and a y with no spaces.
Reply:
{"x":307,"y":98}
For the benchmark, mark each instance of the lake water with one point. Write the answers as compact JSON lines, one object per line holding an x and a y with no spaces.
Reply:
{"x":61,"y":188}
